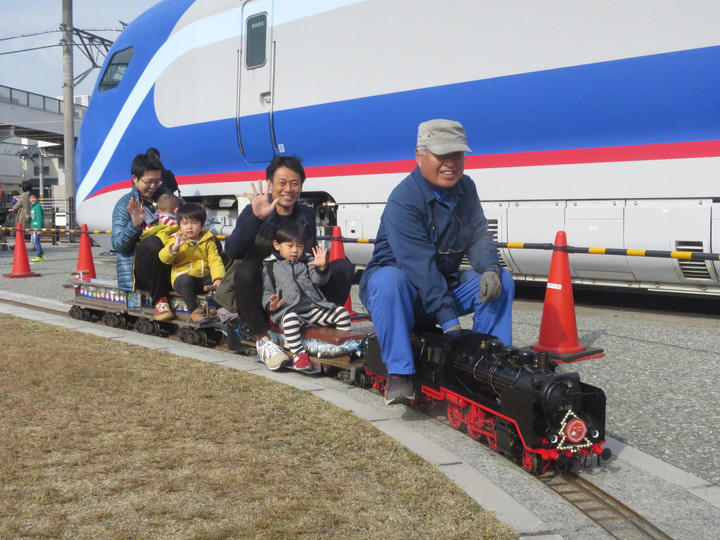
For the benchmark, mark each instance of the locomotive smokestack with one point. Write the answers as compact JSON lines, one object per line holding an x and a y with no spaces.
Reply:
{"x":542,"y":361}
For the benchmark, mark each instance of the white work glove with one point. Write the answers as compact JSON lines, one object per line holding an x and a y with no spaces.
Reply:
{"x":490,"y":287}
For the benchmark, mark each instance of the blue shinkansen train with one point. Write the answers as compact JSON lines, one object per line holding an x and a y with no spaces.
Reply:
{"x":600,"y":119}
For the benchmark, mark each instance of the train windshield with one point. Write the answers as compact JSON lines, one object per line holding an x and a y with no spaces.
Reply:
{"x":115,"y":69}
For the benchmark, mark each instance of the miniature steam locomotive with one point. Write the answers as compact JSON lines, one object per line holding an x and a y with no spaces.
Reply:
{"x":510,"y":398}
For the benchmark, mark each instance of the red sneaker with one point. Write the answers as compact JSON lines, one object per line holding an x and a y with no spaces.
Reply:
{"x":163,"y":311}
{"x":301,"y":362}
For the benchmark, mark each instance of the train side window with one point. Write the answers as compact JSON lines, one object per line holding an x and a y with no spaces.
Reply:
{"x":256,"y":34}
{"x":116,"y":69}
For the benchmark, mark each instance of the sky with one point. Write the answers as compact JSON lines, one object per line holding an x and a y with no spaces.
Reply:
{"x":41,"y":71}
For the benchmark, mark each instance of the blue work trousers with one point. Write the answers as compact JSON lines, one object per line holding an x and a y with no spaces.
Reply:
{"x":394,"y":304}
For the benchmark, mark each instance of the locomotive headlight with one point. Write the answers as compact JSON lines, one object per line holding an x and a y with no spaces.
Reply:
{"x":552,"y":436}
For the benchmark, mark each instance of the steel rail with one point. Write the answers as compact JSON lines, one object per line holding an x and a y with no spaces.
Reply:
{"x":615,"y":517}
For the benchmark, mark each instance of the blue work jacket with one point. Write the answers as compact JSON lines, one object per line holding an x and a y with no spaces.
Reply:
{"x":427,"y":239}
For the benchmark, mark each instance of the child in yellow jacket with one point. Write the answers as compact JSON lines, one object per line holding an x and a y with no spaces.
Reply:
{"x":193,"y":255}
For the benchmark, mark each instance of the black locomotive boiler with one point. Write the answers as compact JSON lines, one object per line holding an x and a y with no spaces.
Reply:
{"x":513,"y":399}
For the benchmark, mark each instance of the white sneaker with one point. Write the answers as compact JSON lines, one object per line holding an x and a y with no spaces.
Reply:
{"x":271,"y":353}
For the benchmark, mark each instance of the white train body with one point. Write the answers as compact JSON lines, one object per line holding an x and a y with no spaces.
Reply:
{"x":600,"y":119}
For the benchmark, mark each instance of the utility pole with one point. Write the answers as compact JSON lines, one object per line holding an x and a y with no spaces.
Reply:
{"x":68,"y":98}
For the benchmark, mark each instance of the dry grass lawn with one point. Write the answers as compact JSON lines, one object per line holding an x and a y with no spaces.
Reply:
{"x":100,"y":439}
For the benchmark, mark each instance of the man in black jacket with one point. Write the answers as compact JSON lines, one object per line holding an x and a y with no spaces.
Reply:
{"x":251,"y":241}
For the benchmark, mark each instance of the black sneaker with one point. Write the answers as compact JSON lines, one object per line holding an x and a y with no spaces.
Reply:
{"x":399,"y":389}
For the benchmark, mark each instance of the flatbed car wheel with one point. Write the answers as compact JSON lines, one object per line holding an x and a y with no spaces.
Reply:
{"x":217,"y":337}
{"x":361,"y":379}
{"x":114,"y":320}
{"x":330,"y":371}
{"x":145,"y":326}
{"x":193,"y":336}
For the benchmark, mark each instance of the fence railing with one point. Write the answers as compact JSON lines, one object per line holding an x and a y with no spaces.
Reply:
{"x":37,"y":101}
{"x":687,"y":255}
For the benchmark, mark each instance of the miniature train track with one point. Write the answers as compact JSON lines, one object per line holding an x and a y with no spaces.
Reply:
{"x":612,"y":515}
{"x":51,"y":311}
{"x":617,"y":519}
{"x":62,"y":313}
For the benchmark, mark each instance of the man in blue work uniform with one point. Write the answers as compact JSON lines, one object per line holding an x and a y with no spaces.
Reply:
{"x":432,"y":219}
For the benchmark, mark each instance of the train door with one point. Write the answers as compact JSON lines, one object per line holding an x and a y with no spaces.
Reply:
{"x":255,"y":81}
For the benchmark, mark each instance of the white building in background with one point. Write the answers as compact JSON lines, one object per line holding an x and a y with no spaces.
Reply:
{"x":10,"y":171}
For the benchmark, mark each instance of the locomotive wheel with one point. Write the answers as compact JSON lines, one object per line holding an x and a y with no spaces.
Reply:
{"x":475,"y":433}
{"x":492,"y":443}
{"x":531,"y":462}
{"x":455,"y":414}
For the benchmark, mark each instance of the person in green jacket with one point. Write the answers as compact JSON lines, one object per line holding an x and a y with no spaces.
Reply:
{"x":37,"y":221}
{"x":193,"y":256}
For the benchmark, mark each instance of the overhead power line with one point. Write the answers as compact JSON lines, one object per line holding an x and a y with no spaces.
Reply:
{"x":78,"y":45}
{"x":58,"y":31}
{"x":91,"y":45}
{"x":30,"y":49}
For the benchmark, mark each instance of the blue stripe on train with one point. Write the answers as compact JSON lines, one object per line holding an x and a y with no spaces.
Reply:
{"x":664,"y":98}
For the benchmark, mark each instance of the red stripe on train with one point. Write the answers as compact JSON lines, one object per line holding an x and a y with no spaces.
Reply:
{"x":646,"y":152}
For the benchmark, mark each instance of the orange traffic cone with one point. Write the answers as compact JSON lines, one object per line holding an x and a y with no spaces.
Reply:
{"x":337,"y":251}
{"x":558,"y":328}
{"x":21,"y":263}
{"x":85,"y":262}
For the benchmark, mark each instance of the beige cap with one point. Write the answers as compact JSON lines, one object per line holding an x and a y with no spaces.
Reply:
{"x":442,"y":137}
